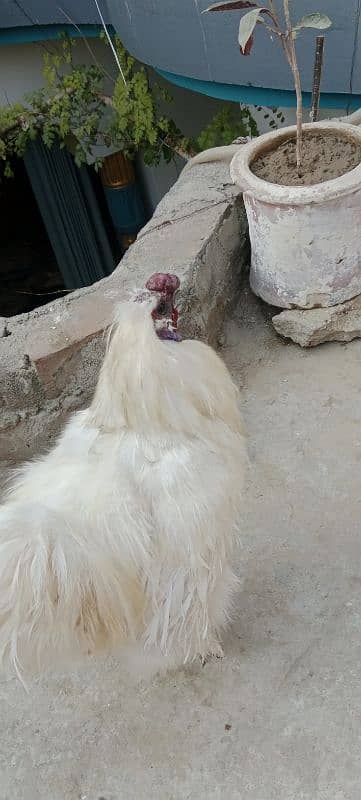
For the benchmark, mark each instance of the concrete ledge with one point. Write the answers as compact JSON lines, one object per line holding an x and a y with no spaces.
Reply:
{"x":50,"y":358}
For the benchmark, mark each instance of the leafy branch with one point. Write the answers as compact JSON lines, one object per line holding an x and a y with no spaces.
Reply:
{"x":73,"y":109}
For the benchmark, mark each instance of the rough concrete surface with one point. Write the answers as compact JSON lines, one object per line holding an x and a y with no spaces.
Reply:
{"x":280,"y":717}
{"x":340,"y":323}
{"x":49,"y":359}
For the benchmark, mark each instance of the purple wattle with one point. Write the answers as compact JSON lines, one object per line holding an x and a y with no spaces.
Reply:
{"x":167,"y":333}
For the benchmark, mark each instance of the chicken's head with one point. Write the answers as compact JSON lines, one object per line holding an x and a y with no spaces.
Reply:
{"x":163,"y":287}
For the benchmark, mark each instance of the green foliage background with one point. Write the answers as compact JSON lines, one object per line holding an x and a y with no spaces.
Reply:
{"x":73,"y":110}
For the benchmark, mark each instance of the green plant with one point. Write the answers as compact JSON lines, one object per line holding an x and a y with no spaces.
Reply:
{"x":226,"y":126}
{"x":233,"y":122}
{"x":73,"y":110}
{"x":138,"y":122}
{"x":270,"y":18}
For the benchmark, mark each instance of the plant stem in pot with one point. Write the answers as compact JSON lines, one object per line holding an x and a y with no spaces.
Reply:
{"x":290,"y":50}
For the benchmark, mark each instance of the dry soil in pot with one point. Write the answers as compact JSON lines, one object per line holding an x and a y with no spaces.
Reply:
{"x":325,"y":156}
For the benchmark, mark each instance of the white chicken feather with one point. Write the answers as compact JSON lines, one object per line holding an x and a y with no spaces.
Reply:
{"x":122,"y":536}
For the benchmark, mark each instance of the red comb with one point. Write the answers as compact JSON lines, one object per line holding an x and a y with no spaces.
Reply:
{"x":163,"y":282}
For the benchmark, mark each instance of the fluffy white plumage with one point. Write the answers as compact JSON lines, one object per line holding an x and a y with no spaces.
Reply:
{"x":123,"y":534}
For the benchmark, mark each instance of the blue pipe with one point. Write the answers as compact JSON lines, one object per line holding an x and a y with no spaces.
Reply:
{"x":259,"y":96}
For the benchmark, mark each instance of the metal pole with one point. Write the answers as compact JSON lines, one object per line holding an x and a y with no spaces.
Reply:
{"x":317,"y":73}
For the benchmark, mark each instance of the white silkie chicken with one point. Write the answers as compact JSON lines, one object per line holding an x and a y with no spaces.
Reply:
{"x":122,"y":536}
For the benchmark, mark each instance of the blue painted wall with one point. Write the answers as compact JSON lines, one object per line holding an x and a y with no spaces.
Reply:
{"x":174,"y":37}
{"x":15,"y":14}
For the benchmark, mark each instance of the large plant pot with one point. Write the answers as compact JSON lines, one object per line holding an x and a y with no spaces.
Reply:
{"x":306,"y":241}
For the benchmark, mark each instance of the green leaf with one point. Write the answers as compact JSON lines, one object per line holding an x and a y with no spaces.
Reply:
{"x":316,"y":20}
{"x":247,"y":26}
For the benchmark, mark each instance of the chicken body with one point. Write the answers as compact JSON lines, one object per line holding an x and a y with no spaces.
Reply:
{"x":122,"y":536}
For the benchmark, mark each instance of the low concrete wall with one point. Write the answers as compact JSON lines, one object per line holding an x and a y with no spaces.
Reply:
{"x":50,"y":358}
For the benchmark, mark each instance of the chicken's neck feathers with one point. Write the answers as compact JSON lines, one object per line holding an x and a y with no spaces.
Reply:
{"x":160,"y":388}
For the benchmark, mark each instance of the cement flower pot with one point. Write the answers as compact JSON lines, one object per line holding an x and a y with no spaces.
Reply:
{"x":306,"y":241}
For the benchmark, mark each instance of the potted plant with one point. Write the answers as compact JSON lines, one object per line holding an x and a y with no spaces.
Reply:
{"x":301,"y":188}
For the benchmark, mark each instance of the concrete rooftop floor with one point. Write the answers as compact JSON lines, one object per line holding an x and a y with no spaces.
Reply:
{"x":280,"y":717}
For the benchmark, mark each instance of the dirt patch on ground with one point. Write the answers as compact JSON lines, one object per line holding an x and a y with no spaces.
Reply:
{"x":325,"y":156}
